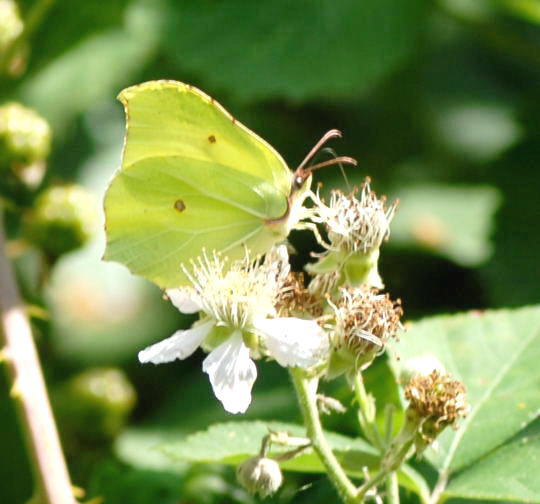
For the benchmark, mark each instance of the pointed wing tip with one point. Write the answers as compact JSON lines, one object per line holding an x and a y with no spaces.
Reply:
{"x":127,"y":93}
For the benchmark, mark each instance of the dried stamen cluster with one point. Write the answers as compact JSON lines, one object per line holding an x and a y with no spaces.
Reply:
{"x":356,"y":225}
{"x":295,"y":299}
{"x":437,"y":397}
{"x":366,"y":320}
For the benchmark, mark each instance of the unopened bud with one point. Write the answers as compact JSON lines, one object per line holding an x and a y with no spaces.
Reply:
{"x":11,"y":25}
{"x":25,"y":137}
{"x":63,"y":219}
{"x":96,"y":403}
{"x":328,"y":405}
{"x":260,"y":475}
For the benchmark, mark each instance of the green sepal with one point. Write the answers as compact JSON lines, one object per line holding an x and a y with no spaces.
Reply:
{"x":344,"y":360}
{"x":356,"y":268}
{"x":332,"y":261}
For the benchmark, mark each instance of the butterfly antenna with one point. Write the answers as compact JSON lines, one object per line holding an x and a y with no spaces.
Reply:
{"x":338,"y":160}
{"x":332,"y":152}
{"x":333,"y":133}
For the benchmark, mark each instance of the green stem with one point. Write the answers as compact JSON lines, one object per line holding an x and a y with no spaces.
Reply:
{"x":367,"y":413}
{"x":371,"y":483}
{"x":29,"y":392}
{"x":440,"y":487}
{"x":392,"y":488}
{"x":308,"y":405}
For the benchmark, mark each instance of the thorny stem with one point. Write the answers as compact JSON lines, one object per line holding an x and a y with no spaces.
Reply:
{"x":308,"y":405}
{"x":53,"y":485}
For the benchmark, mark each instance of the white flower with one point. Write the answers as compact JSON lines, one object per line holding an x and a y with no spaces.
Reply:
{"x":237,"y":305}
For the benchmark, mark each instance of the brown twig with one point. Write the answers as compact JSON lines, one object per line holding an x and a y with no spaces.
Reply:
{"x":29,"y":392}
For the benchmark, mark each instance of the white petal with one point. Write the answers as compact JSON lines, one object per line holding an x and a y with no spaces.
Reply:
{"x":179,"y":346}
{"x":294,"y":342}
{"x":232,"y":373}
{"x":185,"y":299}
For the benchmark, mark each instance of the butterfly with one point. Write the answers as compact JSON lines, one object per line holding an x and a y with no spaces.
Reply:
{"x":194,"y":178}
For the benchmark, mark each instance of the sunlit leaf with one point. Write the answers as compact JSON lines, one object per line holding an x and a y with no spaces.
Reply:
{"x":509,"y":472}
{"x":232,"y":442}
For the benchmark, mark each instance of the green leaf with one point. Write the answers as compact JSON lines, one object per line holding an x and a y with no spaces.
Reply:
{"x":496,"y":355}
{"x":232,"y":442}
{"x":298,"y":50}
{"x":438,"y":218}
{"x":503,"y":474}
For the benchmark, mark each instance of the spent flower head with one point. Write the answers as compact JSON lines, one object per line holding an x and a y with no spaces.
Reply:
{"x":356,"y":228}
{"x":364,"y":321}
{"x":238,"y":322}
{"x":437,"y":397}
{"x":356,"y":225}
{"x":295,"y":299}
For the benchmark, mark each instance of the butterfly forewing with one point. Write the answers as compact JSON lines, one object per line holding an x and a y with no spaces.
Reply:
{"x":192,"y":178}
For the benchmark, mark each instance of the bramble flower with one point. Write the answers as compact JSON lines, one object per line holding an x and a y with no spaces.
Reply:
{"x":364,"y":321}
{"x":239,"y":322}
{"x":356,"y":229}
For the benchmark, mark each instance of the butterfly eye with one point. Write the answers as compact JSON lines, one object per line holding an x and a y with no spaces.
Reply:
{"x":298,"y":182}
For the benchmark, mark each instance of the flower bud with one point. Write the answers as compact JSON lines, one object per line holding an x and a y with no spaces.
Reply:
{"x":364,"y":321}
{"x":25,"y":137}
{"x":11,"y":25}
{"x":260,"y":475}
{"x":96,"y":403}
{"x":62,"y":220}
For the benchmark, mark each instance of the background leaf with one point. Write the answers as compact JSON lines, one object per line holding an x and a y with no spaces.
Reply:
{"x":314,"y":47}
{"x":438,"y":218}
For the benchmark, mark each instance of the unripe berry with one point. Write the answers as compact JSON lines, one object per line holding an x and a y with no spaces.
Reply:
{"x":62,"y":220}
{"x":25,"y":137}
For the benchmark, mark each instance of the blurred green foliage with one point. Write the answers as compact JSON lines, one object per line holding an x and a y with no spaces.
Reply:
{"x":437,"y":100}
